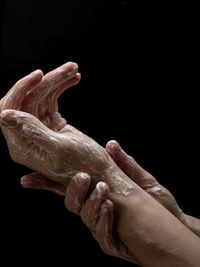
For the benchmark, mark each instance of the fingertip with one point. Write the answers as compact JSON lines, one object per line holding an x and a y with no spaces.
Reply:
{"x":75,"y":66}
{"x":37,"y":72}
{"x":7,"y":118}
{"x":78,"y":76}
{"x":102,"y":188}
{"x":69,"y":66}
{"x":32,"y":79}
{"x":26,"y":182}
{"x":82,"y":178}
{"x":31,"y":181}
{"x":100,"y":192}
{"x":113,"y":147}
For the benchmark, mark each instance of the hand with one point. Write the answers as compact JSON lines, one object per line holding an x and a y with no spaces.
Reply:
{"x":37,"y":94}
{"x":143,"y":179}
{"x":130,"y":167}
{"x":41,"y":139}
{"x":96,"y":211}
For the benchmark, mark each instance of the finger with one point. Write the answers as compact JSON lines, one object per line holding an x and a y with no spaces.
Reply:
{"x":52,"y":99}
{"x":91,"y":210}
{"x":76,"y":192}
{"x":75,"y":80}
{"x":15,"y":96}
{"x":50,"y":82}
{"x":104,"y":227}
{"x":107,"y":239}
{"x":38,"y":181}
{"x":29,"y":127}
{"x":130,"y":166}
{"x":104,"y":231}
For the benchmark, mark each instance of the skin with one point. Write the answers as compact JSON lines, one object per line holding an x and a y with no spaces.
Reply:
{"x":60,"y":152}
{"x":77,"y":201}
{"x":35,"y":132}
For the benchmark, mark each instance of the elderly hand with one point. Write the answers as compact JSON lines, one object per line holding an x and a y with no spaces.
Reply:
{"x":130,"y":167}
{"x":37,"y":94}
{"x":39,"y":138}
{"x":97,"y":212}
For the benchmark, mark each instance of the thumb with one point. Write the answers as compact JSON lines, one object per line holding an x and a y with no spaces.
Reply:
{"x":28,"y":127}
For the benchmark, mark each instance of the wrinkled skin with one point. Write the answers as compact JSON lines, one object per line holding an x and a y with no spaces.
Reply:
{"x":130,"y":167}
{"x":39,"y":138}
{"x":97,"y":210}
{"x":97,"y":213}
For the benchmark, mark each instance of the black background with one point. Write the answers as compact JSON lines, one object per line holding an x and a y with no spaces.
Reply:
{"x":139,"y":86}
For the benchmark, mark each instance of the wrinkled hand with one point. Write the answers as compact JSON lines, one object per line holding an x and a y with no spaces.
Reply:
{"x":130,"y":167}
{"x":39,"y":138}
{"x":97,"y":210}
{"x":143,"y":179}
{"x":38,"y":95}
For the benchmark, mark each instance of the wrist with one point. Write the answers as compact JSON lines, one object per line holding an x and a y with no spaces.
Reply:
{"x":118,"y":181}
{"x":153,"y":235}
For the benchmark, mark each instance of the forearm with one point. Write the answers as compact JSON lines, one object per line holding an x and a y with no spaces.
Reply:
{"x":192,"y":223}
{"x":154,"y":235}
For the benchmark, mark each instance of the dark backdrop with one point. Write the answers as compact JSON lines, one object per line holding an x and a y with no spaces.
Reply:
{"x":139,"y":86}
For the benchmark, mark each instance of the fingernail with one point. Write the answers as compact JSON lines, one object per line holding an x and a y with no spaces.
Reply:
{"x":36,"y":72}
{"x":99,"y":192}
{"x":75,"y":66}
{"x":74,"y":70}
